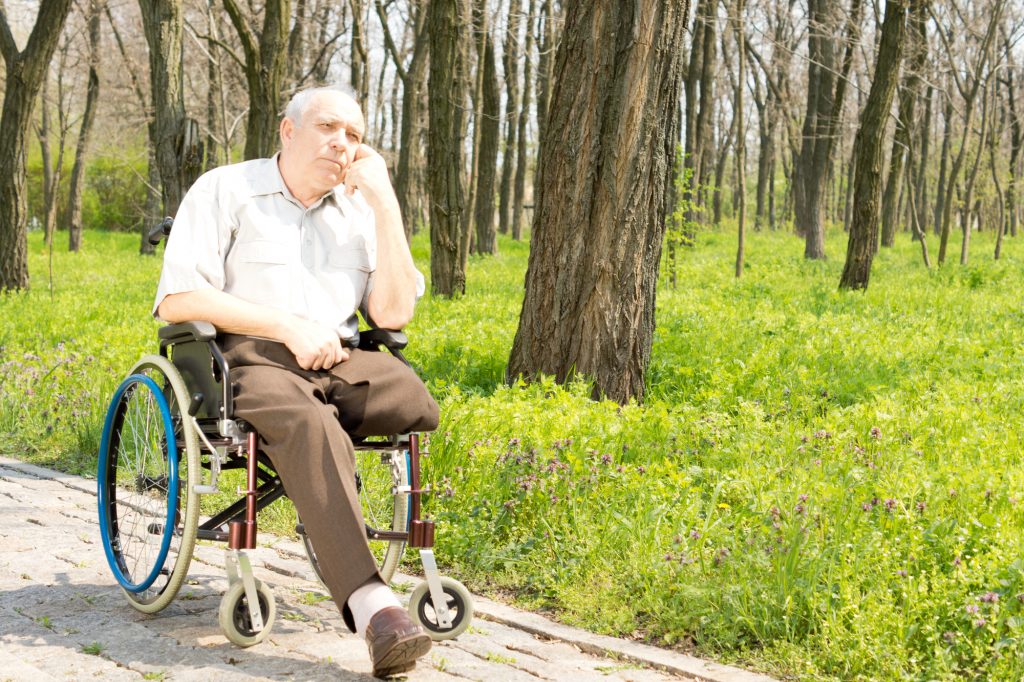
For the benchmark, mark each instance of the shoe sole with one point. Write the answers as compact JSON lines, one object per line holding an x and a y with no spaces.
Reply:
{"x":402,"y":655}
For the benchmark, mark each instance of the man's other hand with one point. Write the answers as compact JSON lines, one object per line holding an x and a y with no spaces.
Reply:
{"x":314,"y":345}
{"x":369,"y":174}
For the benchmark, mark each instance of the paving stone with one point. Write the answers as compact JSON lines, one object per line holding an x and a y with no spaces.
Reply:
{"x":63,"y":617}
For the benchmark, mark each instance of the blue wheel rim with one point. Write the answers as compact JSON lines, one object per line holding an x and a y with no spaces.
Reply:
{"x":103,"y":492}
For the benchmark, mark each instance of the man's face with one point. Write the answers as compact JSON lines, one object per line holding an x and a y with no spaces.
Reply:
{"x":316,"y":150}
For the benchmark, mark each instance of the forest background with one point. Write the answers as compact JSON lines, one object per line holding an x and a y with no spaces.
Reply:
{"x":813,"y":482}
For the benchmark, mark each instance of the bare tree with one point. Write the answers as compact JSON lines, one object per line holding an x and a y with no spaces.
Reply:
{"x":24,"y":73}
{"x":600,"y":216}
{"x":85,"y":130}
{"x":510,"y":64}
{"x":449,"y":240}
{"x":870,"y":137}
{"x":265,"y":56}
{"x":485,"y":153}
{"x":741,"y":148}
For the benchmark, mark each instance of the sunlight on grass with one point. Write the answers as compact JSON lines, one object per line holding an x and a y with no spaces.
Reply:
{"x":820,"y":484}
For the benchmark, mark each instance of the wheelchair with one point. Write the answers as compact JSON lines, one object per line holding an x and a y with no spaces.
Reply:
{"x":168,"y":435}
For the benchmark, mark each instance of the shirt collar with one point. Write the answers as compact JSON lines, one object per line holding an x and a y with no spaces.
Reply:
{"x":269,"y":181}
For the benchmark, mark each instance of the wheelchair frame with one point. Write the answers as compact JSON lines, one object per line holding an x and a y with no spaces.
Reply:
{"x":222,"y":442}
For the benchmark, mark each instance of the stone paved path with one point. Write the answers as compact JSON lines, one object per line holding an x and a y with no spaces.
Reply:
{"x":62,"y":617}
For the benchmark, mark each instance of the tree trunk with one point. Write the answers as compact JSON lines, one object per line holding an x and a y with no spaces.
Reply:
{"x":359,"y":59}
{"x":909,"y":94}
{"x":600,"y":216}
{"x":24,"y":74}
{"x":860,"y":248}
{"x":490,"y":134}
{"x":85,"y":132}
{"x":940,"y":187}
{"x":265,"y":58}
{"x":825,"y":93}
{"x":1016,"y":143}
{"x":972,"y":177}
{"x":510,"y":62}
{"x":409,"y":170}
{"x":741,"y":148}
{"x":522,"y":153}
{"x":920,"y":177}
{"x":547,"y":42}
{"x":51,"y":172}
{"x":447,"y":88}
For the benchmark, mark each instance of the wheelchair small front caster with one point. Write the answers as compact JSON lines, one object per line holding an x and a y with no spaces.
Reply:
{"x":236,"y":620}
{"x":460,"y":609}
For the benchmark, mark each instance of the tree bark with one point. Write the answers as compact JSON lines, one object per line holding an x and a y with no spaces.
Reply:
{"x":487,"y":167}
{"x":940,"y":187}
{"x":868,"y":177}
{"x":448,"y":86}
{"x":409,"y":171}
{"x":265,"y":65}
{"x":85,"y":131}
{"x":510,"y":62}
{"x":600,"y":215}
{"x":23,"y":77}
{"x":909,"y":94}
{"x":825,"y":93}
{"x":522,"y":153}
{"x":741,"y":147}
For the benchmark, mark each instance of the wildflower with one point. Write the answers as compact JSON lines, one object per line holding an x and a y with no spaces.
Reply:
{"x":621,"y":468}
{"x":641,"y":469}
{"x":803,"y":498}
{"x":921,"y":506}
{"x":668,"y":557}
{"x":988,"y":493}
{"x":695,"y":534}
{"x":509,"y":504}
{"x":989,"y":598}
{"x":876,"y":432}
{"x":606,"y":458}
{"x":513,"y":442}
{"x":822,"y":434}
{"x":817,"y":462}
{"x":971,"y":608}
{"x":721,"y":555}
{"x":803,"y":439}
{"x":956,"y":561}
{"x":554,"y":499}
{"x":949,"y":636}
{"x":890,"y":504}
{"x":799,"y":509}
{"x":866,"y":506}
{"x":980,"y":623}
{"x":774,"y":511}
{"x":952,"y":492}
{"x":901,"y":573}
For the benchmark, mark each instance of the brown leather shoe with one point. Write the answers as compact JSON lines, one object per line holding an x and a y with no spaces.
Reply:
{"x":395,"y":641}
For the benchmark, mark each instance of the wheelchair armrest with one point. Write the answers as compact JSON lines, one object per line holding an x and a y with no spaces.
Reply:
{"x":372,"y":339}
{"x":195,"y":330}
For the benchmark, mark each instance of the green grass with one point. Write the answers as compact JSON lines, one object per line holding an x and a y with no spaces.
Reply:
{"x":820,"y":484}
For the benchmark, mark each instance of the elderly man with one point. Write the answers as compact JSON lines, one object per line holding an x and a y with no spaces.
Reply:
{"x":279,"y":254}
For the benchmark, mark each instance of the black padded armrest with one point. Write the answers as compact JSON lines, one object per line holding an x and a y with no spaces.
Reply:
{"x":196,"y":330}
{"x":372,"y":339}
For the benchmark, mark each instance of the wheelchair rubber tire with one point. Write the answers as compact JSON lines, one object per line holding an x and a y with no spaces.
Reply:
{"x":234,"y":618}
{"x":379,"y":507}
{"x":421,"y":609}
{"x":168,"y":569}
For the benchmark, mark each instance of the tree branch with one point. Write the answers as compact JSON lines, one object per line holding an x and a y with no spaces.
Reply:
{"x":389,"y":41}
{"x":196,"y":35}
{"x":245,"y":34}
{"x":8,"y":46}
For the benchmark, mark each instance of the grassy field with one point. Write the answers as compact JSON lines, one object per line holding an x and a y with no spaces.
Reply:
{"x":821,"y":485}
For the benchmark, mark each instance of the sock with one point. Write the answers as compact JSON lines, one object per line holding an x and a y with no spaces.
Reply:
{"x":367,"y":600}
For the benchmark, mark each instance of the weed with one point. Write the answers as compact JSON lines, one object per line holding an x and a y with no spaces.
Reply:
{"x":94,"y":649}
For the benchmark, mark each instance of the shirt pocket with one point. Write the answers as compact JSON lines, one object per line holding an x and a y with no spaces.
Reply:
{"x":348,"y":259}
{"x":263,"y":272}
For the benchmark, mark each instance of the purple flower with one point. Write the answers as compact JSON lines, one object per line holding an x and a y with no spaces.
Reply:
{"x":799,"y":509}
{"x":901,"y":573}
{"x":971,"y":608}
{"x":866,"y":506}
{"x":890,"y":504}
{"x":606,"y":458}
{"x":803,"y":498}
{"x":949,"y":636}
{"x":876,"y":432}
{"x":980,"y":623}
{"x":695,"y":534}
{"x":641,"y":470}
{"x":921,"y":507}
{"x":989,"y":598}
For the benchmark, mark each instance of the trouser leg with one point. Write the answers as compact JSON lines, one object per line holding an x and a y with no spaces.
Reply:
{"x":312,"y":454}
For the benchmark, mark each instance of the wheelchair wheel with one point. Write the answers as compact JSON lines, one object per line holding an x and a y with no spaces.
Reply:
{"x":460,"y":606}
{"x":236,"y":620}
{"x":377,"y":474}
{"x":148,"y":468}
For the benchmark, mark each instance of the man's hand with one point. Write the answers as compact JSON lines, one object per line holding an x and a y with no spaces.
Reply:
{"x":314,"y":345}
{"x":369,"y":174}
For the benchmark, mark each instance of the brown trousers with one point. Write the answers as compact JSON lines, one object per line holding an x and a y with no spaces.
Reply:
{"x":303,"y":418}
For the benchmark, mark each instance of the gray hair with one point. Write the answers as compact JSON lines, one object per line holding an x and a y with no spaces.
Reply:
{"x":296,"y":108}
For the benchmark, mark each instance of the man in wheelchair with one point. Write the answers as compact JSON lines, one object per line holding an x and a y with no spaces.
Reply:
{"x":279,"y":254}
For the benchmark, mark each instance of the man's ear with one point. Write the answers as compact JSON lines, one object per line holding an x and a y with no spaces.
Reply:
{"x":286,"y":131}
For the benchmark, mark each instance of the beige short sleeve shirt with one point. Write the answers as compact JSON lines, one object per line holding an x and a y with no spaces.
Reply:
{"x":240,"y":230}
